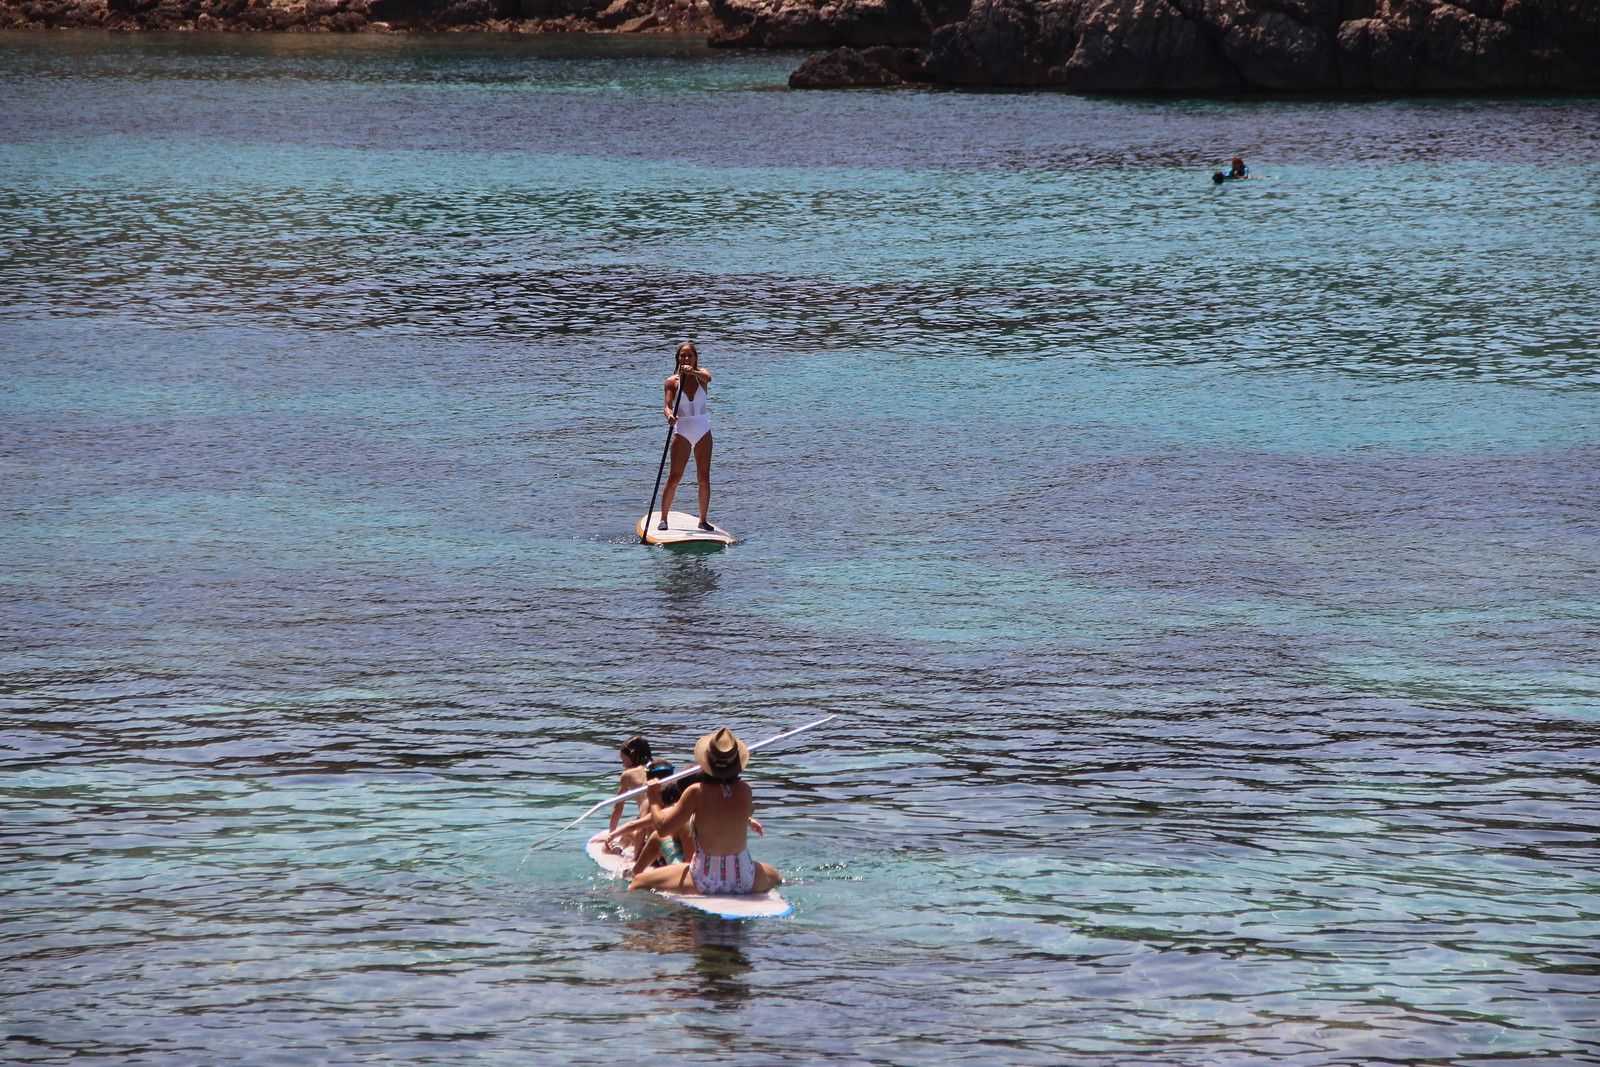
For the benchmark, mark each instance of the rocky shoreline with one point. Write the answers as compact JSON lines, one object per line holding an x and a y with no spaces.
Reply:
{"x":1276,"y":46}
{"x":1171,"y":46}
{"x":365,"y":16}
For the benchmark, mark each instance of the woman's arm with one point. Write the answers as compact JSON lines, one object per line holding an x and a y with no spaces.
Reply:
{"x":671,"y":401}
{"x":668,"y":821}
{"x":641,"y":823}
{"x":701,"y":376}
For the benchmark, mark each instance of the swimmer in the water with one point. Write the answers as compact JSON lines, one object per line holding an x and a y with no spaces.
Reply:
{"x":1236,"y":171}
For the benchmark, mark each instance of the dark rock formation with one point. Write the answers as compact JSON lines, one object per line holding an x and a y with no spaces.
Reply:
{"x":997,"y":44}
{"x":1254,"y":45}
{"x":496,"y":16}
{"x":878,"y":66}
{"x":814,"y":23}
{"x":1316,"y":46}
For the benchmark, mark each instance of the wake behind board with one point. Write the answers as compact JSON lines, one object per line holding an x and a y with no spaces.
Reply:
{"x":768,"y":905}
{"x":682,"y":529}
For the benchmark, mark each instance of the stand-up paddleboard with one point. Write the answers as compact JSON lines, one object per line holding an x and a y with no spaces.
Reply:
{"x":682,"y":529}
{"x":768,"y":905}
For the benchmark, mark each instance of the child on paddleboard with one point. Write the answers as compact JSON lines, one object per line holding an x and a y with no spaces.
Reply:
{"x":657,"y":851}
{"x":637,"y":765}
{"x":716,"y":810}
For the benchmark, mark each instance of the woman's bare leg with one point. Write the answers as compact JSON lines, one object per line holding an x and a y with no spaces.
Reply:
{"x":702,"y":467}
{"x":674,"y":878}
{"x":767,"y":877}
{"x":680,"y":460}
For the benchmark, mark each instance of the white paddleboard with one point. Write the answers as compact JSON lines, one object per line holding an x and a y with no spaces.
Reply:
{"x":682,"y":529}
{"x":768,"y":905}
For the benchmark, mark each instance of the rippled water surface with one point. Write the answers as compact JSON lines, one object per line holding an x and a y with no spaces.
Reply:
{"x":1207,"y":580}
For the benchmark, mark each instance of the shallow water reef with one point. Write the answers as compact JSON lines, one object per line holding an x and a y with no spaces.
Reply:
{"x":1318,"y":46}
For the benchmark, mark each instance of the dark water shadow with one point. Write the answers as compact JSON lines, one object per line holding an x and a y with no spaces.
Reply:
{"x":686,"y":576}
{"x":719,"y":967}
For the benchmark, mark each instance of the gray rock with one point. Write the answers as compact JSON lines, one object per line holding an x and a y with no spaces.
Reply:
{"x":1374,"y":56}
{"x":849,"y":68}
{"x":1000,"y":43}
{"x":1271,"y":45}
{"x":1273,"y":51}
{"x":812,"y":23}
{"x":1141,"y":46}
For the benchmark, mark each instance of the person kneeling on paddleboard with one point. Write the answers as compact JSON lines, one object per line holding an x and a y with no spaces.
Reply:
{"x":656,"y":851}
{"x":637,"y":765}
{"x":720,"y":806}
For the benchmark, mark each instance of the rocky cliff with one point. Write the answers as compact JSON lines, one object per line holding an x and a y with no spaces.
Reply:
{"x":1320,"y":46}
{"x":815,"y":23}
{"x":1250,"y":45}
{"x":503,"y":16}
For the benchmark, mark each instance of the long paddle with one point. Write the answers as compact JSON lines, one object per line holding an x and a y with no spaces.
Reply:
{"x":618,"y":798}
{"x":644,"y":534}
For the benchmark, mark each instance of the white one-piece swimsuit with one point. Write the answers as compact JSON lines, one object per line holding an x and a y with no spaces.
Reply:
{"x":694,"y":421}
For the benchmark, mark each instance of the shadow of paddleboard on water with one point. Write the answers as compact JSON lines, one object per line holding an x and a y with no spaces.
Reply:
{"x":713,"y":947}
{"x":684,"y":576}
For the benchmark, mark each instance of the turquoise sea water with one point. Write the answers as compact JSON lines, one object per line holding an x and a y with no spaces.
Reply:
{"x":1207,"y":580}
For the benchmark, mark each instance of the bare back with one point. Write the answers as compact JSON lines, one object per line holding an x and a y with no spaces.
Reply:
{"x":632,"y":778}
{"x":722,"y":823}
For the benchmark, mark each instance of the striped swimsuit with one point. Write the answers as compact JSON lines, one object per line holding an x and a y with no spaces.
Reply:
{"x":722,"y":875}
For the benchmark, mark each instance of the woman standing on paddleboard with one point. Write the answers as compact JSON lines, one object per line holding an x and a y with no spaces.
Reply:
{"x":691,"y":430}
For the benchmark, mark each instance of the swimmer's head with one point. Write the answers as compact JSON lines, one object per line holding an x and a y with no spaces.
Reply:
{"x":688,"y":355}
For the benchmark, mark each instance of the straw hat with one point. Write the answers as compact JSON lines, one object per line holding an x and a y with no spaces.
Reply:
{"x":721,"y":754}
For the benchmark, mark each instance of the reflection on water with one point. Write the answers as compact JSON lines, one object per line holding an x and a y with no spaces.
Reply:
{"x":712,"y":948}
{"x":684,"y":575}
{"x":719,"y":967}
